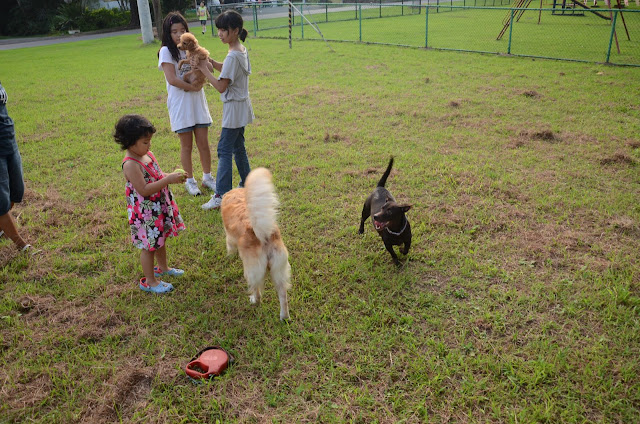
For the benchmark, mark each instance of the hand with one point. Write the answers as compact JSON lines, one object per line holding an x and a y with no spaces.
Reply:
{"x":191,"y":87}
{"x":177,"y":177}
{"x":204,"y":64}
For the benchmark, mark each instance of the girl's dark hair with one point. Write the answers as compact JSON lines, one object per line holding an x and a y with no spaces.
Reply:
{"x":130,"y":128}
{"x":230,"y":19}
{"x":170,"y":19}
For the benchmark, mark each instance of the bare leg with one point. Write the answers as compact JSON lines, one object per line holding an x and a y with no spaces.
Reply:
{"x":8,"y":225}
{"x":146,"y":259}
{"x":161,"y":258}
{"x":186,"y":146}
{"x":202,"y":142}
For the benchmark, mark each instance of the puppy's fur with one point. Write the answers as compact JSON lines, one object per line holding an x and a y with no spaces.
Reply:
{"x":195,"y":53}
{"x":249,"y":218}
{"x":388,"y":217}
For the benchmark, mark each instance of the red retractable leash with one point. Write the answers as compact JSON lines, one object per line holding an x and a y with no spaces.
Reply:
{"x":208,"y":363}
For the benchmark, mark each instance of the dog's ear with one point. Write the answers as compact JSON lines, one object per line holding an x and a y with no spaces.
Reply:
{"x":405,"y":208}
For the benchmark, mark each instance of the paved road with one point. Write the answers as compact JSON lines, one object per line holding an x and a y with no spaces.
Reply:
{"x":19,"y":43}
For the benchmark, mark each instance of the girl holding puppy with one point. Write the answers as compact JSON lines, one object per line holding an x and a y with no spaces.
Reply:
{"x":237,"y":112}
{"x":188,"y":108}
{"x":153,"y":213}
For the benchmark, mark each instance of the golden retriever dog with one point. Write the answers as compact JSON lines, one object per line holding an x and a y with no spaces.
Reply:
{"x":195,"y":53}
{"x":249,"y":218}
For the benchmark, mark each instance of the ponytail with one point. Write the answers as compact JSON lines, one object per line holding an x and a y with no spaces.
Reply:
{"x":242,"y":35}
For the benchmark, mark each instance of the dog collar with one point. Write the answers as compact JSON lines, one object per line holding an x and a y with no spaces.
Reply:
{"x":406,"y":221}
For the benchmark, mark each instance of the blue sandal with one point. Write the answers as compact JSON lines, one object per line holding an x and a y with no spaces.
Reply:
{"x":161,"y":288}
{"x":172,"y":272}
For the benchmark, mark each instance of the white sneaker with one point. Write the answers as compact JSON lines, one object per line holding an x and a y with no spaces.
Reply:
{"x":209,"y":183}
{"x":192,"y":188}
{"x":213,"y":203}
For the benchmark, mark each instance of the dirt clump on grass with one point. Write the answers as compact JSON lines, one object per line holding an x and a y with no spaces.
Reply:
{"x":533,"y":135}
{"x":542,"y":135}
{"x":335,"y":138}
{"x":618,"y":158}
{"x":531,"y":93}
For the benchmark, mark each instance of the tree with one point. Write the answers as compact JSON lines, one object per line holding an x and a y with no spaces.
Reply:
{"x":157,"y":14}
{"x":135,"y":17}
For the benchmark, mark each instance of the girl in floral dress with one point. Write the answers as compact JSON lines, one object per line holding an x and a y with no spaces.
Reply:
{"x":152,"y":211}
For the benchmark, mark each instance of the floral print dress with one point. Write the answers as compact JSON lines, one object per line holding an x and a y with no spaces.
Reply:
{"x":153,"y":218}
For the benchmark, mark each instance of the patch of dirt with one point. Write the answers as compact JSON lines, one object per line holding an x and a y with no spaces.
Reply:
{"x":335,"y":138}
{"x":128,"y":394}
{"x":531,"y":93}
{"x":625,"y":225}
{"x":454,"y":104}
{"x":634,"y":144}
{"x":544,"y":135}
{"x":303,"y":169}
{"x":515,"y":144}
{"x":532,"y":135}
{"x":29,"y":390}
{"x":618,"y":158}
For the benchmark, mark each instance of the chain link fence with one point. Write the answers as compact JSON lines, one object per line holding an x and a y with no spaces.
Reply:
{"x":556,"y":31}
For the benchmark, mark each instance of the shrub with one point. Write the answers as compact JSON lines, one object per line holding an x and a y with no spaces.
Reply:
{"x":74,"y":16}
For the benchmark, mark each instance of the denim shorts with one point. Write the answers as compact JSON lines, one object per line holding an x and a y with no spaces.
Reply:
{"x":11,"y":183}
{"x":189,"y":129}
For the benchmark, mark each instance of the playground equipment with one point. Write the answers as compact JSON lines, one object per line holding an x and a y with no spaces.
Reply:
{"x":521,"y":5}
{"x":580,"y":4}
{"x":562,"y":8}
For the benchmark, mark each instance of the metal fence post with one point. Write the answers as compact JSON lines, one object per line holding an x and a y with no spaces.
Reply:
{"x":426,"y":25}
{"x":510,"y":31}
{"x":290,"y":23}
{"x":255,"y":21}
{"x":613,"y":32}
{"x":360,"y":20}
{"x":301,"y":21}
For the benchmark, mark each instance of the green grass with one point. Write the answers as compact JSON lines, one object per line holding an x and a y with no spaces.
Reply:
{"x":584,"y":38}
{"x":518,"y":302}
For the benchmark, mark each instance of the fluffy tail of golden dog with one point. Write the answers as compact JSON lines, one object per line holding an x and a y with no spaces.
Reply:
{"x":250,"y":221}
{"x":262,"y":203}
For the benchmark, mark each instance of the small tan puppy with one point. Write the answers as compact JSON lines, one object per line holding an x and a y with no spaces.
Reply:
{"x":195,"y":53}
{"x":249,"y":218}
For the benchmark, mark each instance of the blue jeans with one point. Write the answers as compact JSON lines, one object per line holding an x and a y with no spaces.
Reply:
{"x":231,"y":144}
{"x":11,"y":182}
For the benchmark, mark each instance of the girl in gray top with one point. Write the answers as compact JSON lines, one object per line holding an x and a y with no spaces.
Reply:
{"x":233,"y":85}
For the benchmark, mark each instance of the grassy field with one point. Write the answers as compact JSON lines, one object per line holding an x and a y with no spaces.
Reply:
{"x":519,"y":301}
{"x":564,"y":37}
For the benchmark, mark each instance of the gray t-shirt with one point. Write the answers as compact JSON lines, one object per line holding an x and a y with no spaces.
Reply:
{"x":237,"y":111}
{"x":8,"y":145}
